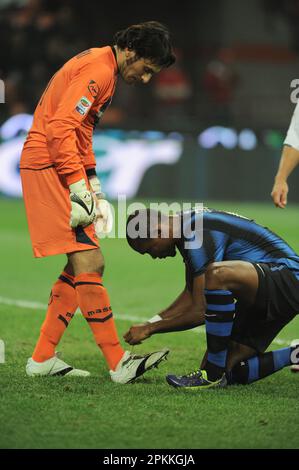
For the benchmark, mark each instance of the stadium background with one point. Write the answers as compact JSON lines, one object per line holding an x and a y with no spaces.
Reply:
{"x":209,"y":129}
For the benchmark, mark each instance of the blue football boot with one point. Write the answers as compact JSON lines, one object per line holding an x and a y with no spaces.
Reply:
{"x":197,"y":380}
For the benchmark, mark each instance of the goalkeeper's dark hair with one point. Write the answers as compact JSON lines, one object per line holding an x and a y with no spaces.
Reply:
{"x":150,"y":40}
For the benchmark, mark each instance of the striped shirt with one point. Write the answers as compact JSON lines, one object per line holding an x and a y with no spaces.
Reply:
{"x":227,"y":237}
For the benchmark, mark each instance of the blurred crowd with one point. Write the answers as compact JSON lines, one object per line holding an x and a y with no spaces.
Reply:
{"x":38,"y":36}
{"x":287,"y":10}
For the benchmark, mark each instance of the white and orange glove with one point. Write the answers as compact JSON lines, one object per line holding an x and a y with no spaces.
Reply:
{"x":83,"y":205}
{"x":104,"y":217}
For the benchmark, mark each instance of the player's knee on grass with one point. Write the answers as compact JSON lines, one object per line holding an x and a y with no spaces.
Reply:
{"x":237,"y":365}
{"x":90,"y":261}
{"x":237,"y":353}
{"x":239,"y":374}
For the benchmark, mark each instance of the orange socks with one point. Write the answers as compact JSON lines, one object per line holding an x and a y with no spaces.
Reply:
{"x":87,"y":290}
{"x":95,"y":305}
{"x":61,"y":308}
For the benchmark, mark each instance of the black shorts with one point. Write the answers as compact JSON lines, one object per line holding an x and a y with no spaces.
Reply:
{"x":276,"y":304}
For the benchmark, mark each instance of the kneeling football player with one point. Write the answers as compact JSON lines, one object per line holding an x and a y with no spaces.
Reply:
{"x":242,"y":281}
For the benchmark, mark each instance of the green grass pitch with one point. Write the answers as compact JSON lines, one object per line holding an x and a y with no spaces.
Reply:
{"x":94,"y":412}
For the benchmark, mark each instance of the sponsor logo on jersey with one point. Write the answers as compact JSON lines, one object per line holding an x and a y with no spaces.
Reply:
{"x":85,"y":102}
{"x":83,"y":105}
{"x":93,"y":88}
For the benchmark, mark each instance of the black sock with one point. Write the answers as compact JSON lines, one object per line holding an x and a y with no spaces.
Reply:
{"x":219,"y":321}
{"x":263,"y":365}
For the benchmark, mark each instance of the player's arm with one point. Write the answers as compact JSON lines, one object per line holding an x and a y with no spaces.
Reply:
{"x":180,"y":306}
{"x":90,"y":159}
{"x":104,"y":214}
{"x":289,"y":160}
{"x":182,"y":303}
{"x":187,"y":312}
{"x":74,"y":106}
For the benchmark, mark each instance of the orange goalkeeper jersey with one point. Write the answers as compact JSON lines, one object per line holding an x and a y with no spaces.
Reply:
{"x":70,"y":107}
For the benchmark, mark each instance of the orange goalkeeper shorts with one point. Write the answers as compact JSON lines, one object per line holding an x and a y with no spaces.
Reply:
{"x":48,"y":209}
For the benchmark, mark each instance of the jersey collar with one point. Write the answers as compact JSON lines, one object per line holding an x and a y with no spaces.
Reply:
{"x":114,"y":53}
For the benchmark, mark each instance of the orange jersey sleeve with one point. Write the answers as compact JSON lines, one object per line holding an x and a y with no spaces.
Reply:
{"x":74,"y":106}
{"x":69,"y":109}
{"x":90,"y":160}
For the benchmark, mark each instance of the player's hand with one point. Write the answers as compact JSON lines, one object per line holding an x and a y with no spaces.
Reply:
{"x":137,"y":333}
{"x":104,"y":215}
{"x":280,"y":194}
{"x":83,"y":207}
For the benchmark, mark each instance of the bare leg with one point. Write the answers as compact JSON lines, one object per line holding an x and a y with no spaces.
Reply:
{"x":239,"y":277}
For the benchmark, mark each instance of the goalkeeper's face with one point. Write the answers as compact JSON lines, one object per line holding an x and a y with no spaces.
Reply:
{"x":137,"y":70}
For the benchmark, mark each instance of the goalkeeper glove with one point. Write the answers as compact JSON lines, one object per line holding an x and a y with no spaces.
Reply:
{"x":104,"y":216}
{"x":83,"y":206}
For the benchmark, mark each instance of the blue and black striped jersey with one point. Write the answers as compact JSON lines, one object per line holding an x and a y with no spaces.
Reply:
{"x":225,"y":236}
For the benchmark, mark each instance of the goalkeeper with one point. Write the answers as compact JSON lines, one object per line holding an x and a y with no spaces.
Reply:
{"x":64,"y":203}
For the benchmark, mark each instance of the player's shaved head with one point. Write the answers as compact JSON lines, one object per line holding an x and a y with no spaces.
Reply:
{"x":150,"y":231}
{"x":143,"y":225}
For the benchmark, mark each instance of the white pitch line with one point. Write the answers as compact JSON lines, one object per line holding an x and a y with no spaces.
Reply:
{"x":40,"y":306}
{"x":23,"y":303}
{"x":124,"y":317}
